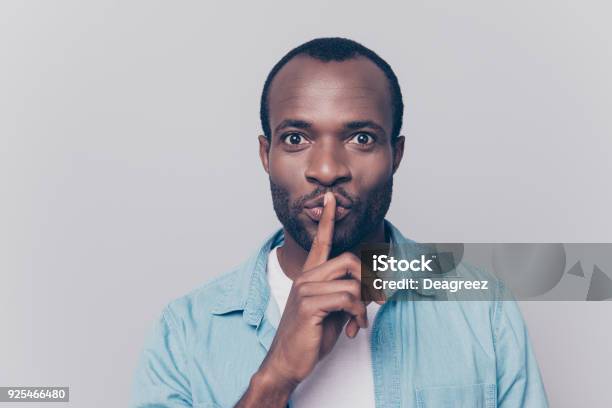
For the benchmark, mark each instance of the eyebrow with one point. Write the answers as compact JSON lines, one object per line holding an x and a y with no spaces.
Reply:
{"x":360,"y":124}
{"x":295,"y":123}
{"x":353,"y":125}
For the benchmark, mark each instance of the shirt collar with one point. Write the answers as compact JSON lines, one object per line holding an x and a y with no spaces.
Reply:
{"x":248,"y":289}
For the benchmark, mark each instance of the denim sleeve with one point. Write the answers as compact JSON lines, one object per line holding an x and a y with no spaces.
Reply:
{"x":519,"y":383}
{"x":161,"y":379}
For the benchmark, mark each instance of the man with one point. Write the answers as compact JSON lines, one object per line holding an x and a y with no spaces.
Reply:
{"x":289,"y":326}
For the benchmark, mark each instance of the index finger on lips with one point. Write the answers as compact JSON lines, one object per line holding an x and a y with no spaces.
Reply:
{"x":322,"y":242}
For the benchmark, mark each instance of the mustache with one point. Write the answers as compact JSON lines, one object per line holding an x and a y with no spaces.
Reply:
{"x":299,"y":203}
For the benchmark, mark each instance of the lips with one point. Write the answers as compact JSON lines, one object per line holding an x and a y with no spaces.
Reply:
{"x":314,"y":208}
{"x":318,"y":202}
{"x":314,"y":213}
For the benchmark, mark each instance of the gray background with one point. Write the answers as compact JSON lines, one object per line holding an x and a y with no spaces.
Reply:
{"x":129,"y":171}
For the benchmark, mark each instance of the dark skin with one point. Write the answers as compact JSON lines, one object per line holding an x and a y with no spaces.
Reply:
{"x":331,"y":127}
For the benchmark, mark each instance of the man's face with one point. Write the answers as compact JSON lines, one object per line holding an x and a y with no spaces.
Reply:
{"x":331,"y":126}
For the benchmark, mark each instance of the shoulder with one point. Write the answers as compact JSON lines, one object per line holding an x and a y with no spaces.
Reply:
{"x":193,"y":311}
{"x":189,"y":320}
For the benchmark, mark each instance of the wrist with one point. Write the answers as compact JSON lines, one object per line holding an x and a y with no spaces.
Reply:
{"x":271,"y":380}
{"x":265,"y":390}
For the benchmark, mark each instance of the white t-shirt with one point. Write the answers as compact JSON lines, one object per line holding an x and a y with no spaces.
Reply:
{"x":344,"y":376}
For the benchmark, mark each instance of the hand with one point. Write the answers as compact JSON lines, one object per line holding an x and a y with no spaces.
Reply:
{"x":322,"y":299}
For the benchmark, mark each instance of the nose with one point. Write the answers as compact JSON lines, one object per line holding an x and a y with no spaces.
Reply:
{"x":327,"y":165}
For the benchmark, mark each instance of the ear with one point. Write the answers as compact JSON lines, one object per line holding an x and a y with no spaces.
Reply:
{"x":398,"y":152}
{"x":264,"y":149}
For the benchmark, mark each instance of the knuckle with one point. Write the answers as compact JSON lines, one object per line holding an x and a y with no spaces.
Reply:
{"x":346,"y":297}
{"x":355,"y":261}
{"x":354,"y":286}
{"x":351,"y":260}
{"x":350,"y":257}
{"x":346,"y":256}
{"x":301,"y":289}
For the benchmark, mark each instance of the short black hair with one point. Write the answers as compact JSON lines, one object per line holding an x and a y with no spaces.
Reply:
{"x":335,"y":49}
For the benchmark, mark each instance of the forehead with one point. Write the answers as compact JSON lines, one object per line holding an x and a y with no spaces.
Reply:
{"x":330,"y":92}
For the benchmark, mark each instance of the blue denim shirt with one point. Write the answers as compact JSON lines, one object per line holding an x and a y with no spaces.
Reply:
{"x":207,"y":344}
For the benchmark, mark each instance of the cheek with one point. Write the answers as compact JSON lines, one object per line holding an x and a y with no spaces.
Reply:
{"x":286,"y":171}
{"x":370,"y":172}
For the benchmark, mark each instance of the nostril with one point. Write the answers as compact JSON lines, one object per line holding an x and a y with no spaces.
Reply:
{"x":328,"y":178}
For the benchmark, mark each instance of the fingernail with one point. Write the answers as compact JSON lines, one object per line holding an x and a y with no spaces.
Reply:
{"x":324,"y":199}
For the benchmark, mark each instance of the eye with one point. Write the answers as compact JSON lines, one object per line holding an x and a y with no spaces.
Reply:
{"x":362,"y":138}
{"x":294,"y":139}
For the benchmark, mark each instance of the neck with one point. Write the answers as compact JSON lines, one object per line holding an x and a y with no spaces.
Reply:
{"x":291,"y":256}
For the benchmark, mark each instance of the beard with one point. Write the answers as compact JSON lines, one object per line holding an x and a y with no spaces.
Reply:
{"x":365,"y":215}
